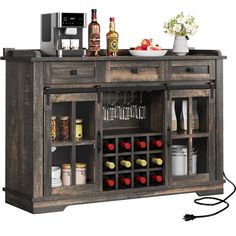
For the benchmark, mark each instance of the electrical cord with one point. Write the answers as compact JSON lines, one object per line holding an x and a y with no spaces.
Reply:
{"x":198,"y":201}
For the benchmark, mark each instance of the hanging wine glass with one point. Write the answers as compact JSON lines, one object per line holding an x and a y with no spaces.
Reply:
{"x":108,"y":110}
{"x":133,"y":106}
{"x":117,"y":107}
{"x":125,"y":110}
{"x":141,"y":109}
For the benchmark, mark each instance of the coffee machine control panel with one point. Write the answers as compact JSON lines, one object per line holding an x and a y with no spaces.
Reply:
{"x":73,"y":19}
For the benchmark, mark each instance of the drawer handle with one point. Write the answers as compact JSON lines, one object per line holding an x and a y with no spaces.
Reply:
{"x":134,"y":71}
{"x":74,"y":72}
{"x":189,"y":70}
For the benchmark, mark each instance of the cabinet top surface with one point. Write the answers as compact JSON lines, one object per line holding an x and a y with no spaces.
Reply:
{"x":36,"y":56}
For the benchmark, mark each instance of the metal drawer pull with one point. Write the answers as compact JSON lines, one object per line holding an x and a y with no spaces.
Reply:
{"x":189,"y":70}
{"x":134,"y":71}
{"x":74,"y":72}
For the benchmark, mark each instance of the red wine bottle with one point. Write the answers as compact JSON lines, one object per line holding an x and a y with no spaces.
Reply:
{"x":125,"y":145}
{"x":157,"y":178}
{"x":109,"y":182}
{"x":108,"y":146}
{"x":140,"y":144}
{"x":125,"y":181}
{"x":141,"y":179}
{"x":157,"y":143}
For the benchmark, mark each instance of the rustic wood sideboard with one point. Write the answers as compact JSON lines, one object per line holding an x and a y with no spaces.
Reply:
{"x":39,"y":87}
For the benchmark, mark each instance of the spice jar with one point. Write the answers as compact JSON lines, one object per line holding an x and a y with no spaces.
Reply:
{"x":80,"y":176}
{"x":64,"y":128}
{"x":78,"y":129}
{"x":53,"y":128}
{"x":66,"y":174}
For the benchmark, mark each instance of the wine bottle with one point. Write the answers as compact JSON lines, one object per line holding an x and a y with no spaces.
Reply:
{"x":110,"y":165}
{"x":141,"y":179}
{"x":141,"y":162}
{"x":157,"y":143}
{"x":94,"y":35}
{"x":125,"y":180}
{"x":157,"y":161}
{"x":112,"y":39}
{"x":108,"y":146}
{"x":125,"y":163}
{"x":157,"y":178}
{"x":109,"y":182}
{"x":125,"y":145}
{"x":140,"y":144}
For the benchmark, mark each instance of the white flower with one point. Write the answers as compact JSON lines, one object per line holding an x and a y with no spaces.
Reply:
{"x":188,"y":28}
{"x":177,"y":28}
{"x":180,"y":20}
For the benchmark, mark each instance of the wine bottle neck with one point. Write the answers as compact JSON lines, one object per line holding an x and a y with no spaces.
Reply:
{"x":112,"y":26}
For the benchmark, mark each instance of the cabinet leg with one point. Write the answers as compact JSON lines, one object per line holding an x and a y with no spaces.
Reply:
{"x":210,"y":192}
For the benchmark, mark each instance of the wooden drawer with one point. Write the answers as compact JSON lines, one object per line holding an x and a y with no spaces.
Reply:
{"x":71,"y":72}
{"x":132,"y":71}
{"x":197,"y":70}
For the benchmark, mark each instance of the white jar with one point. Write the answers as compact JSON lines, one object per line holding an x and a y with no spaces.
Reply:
{"x":80,"y":173}
{"x":66,"y":174}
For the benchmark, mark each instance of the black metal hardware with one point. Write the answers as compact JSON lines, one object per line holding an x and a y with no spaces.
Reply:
{"x":99,"y":141}
{"x":48,"y":90}
{"x":134,"y":71}
{"x":47,"y":95}
{"x":168,"y":91}
{"x":98,"y":92}
{"x":74,"y":72}
{"x":168,"y":137}
{"x":212,"y":87}
{"x":189,"y":70}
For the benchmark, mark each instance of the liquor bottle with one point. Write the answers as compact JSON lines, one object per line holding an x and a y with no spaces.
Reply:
{"x":108,"y":146}
{"x":184,"y":116}
{"x":157,"y":143}
{"x":157,"y":161}
{"x":109,"y":182}
{"x":174,"y":118}
{"x":157,"y":178}
{"x":141,"y":162}
{"x":94,"y":35}
{"x":125,"y":163}
{"x":141,"y":179}
{"x":110,"y":165}
{"x":112,"y":39}
{"x":140,"y":144}
{"x":125,"y":180}
{"x":125,"y":145}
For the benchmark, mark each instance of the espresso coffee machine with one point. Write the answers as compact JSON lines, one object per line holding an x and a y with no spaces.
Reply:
{"x":62,"y":34}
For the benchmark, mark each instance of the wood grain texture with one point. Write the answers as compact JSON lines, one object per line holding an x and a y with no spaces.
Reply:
{"x":28,"y":118}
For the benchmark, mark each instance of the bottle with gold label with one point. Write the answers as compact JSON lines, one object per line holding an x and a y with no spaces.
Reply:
{"x":112,"y":39}
{"x":78,"y":129}
{"x":94,"y":35}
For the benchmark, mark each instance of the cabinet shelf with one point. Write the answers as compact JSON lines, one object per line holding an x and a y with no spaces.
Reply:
{"x":186,"y":136}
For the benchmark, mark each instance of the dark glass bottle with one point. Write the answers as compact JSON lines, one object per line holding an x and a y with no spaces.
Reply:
{"x":94,"y":35}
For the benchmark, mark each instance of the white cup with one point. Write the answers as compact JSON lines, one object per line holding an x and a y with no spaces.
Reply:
{"x":74,"y":44}
{"x":65,"y":44}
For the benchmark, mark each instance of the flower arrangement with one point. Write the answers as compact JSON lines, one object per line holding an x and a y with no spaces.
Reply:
{"x":181,"y":25}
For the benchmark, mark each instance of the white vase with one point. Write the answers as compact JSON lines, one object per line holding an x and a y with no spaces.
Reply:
{"x":180,"y":47}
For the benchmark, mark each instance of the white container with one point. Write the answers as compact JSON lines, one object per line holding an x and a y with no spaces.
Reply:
{"x":56,"y":172}
{"x":80,"y":173}
{"x":180,"y":47}
{"x":66,"y":174}
{"x":179,"y":165}
{"x":74,"y":44}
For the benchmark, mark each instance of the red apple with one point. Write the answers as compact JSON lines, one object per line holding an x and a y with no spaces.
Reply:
{"x":145,"y":43}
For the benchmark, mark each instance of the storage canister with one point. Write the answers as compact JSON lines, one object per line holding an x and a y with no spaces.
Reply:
{"x":80,"y":176}
{"x":66,"y":174}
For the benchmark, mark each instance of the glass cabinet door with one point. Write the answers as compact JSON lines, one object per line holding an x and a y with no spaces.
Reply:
{"x":70,"y":143}
{"x":191,"y":135}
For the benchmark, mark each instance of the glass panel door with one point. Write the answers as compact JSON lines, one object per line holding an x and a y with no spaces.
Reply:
{"x":69,"y":158}
{"x":191,"y":151}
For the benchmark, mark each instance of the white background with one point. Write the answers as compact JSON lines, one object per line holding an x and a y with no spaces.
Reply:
{"x":135,"y":20}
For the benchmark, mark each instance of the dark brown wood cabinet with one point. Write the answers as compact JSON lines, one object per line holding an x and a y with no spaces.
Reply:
{"x":38,"y":88}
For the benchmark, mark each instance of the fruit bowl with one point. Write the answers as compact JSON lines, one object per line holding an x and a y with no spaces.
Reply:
{"x":148,"y":53}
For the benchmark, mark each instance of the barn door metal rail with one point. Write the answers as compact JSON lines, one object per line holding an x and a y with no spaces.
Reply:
{"x":101,"y":89}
